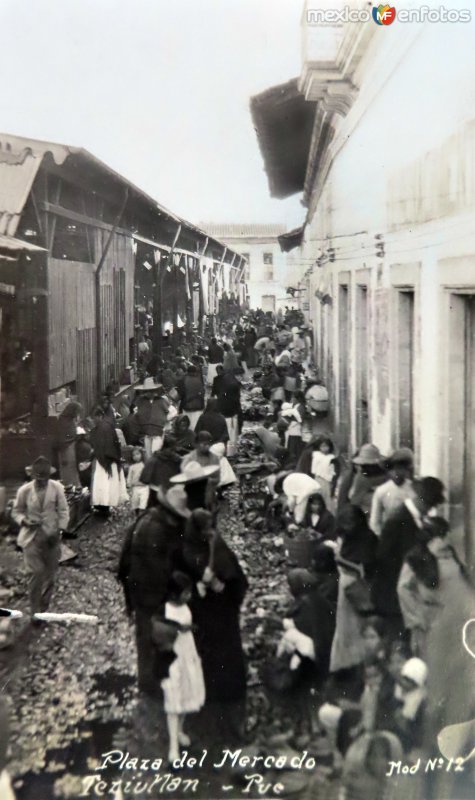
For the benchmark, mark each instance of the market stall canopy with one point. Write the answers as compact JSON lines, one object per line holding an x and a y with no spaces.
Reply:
{"x":283,"y":121}
{"x":10,"y":243}
{"x":288,"y":241}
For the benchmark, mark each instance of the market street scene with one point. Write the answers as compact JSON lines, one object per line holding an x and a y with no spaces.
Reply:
{"x":237,"y":400}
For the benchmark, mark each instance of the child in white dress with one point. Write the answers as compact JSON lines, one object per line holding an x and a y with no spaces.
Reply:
{"x":184,"y":688}
{"x":138,"y":491}
{"x":324,"y":468}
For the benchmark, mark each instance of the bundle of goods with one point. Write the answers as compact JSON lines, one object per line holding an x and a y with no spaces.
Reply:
{"x":79,"y":502}
{"x":254,"y":492}
{"x":255,"y":406}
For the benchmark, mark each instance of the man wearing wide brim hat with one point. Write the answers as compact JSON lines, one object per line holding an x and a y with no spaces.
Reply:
{"x":41,"y":510}
{"x":359,"y":483}
{"x":151,"y":552}
{"x":200,"y":481}
{"x":388,"y":497}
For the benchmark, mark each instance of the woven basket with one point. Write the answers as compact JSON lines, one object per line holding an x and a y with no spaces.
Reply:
{"x":299,"y":551}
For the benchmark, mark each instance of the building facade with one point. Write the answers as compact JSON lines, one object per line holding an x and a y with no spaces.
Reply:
{"x":266,"y":264}
{"x":388,"y":243}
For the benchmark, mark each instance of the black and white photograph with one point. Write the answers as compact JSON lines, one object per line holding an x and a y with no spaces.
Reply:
{"x":237,"y":400}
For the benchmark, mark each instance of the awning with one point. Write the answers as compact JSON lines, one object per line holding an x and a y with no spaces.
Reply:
{"x":291,"y":239}
{"x":283,"y":121}
{"x":10,"y":243}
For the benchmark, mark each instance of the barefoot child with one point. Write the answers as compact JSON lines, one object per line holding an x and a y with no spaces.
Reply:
{"x":184,"y":688}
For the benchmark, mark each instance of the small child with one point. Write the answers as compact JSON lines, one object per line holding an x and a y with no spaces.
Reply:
{"x":324,"y":467}
{"x":184,"y":688}
{"x":138,"y":491}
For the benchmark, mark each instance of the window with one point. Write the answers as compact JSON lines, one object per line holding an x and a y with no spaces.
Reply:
{"x":268,"y":266}
{"x":268,"y":258}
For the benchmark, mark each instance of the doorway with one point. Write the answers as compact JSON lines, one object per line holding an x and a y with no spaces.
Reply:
{"x":405,"y":368}
{"x":461,"y":412}
{"x":343,"y":358}
{"x":362,"y":400}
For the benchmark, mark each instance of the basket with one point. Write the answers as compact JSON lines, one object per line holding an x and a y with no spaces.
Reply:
{"x":299,"y":551}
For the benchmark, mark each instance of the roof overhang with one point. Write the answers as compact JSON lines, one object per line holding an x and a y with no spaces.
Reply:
{"x":17,"y":245}
{"x":288,"y":241}
{"x":283,"y":120}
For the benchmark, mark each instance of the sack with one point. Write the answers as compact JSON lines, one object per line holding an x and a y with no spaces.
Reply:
{"x":164,"y":634}
{"x":358,"y":595}
{"x":278,"y":675}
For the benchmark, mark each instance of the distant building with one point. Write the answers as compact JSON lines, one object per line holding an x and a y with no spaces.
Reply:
{"x":266,"y":270}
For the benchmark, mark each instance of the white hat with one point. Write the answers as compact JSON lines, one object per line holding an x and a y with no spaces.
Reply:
{"x":287,"y":410}
{"x":416,"y":670}
{"x":193,"y":471}
{"x":148,"y":385}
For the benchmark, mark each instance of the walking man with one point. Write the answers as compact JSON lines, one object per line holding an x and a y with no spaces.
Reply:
{"x":41,"y":510}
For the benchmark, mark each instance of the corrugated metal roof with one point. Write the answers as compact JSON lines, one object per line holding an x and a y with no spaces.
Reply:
{"x":238,"y":230}
{"x":10,"y":243}
{"x":20,"y":160}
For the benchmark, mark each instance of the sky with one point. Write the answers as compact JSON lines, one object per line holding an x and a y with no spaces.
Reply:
{"x":158,"y":89}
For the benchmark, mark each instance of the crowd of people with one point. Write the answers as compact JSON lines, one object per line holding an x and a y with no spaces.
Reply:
{"x":370,"y":564}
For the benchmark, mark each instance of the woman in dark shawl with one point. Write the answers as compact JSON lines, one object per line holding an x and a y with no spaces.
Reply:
{"x":212,"y":421}
{"x":108,"y":481}
{"x":185,"y":438}
{"x":355,"y":557}
{"x":220,"y":587}
{"x":160,"y":467}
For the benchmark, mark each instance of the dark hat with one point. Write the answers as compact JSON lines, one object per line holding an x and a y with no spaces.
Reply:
{"x":41,"y":469}
{"x":430,"y":490}
{"x":401,"y":456}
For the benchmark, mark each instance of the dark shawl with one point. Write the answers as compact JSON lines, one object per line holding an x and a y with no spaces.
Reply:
{"x":105,"y":443}
{"x":216,"y":616}
{"x":215,"y":354}
{"x":215,"y":424}
{"x":150,"y":553}
{"x":398,"y":536}
{"x":161,"y":466}
{"x":229,"y":398}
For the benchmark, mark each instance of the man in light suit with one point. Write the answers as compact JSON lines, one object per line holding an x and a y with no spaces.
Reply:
{"x":41,"y":510}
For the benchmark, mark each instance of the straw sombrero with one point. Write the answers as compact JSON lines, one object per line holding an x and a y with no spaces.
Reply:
{"x":193,"y":471}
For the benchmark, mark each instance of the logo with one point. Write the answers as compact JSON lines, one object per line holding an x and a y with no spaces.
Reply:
{"x":384,"y":15}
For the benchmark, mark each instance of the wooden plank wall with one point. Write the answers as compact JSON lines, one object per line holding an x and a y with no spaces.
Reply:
{"x":72,"y":322}
{"x":71,"y":308}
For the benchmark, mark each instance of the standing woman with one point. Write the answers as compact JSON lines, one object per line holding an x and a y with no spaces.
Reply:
{"x":108,"y":481}
{"x":215,"y":357}
{"x":220,"y":587}
{"x":355,"y":558}
{"x":66,"y":444}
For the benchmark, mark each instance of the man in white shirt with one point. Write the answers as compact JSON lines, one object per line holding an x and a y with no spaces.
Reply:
{"x":391,"y":495}
{"x":41,"y":510}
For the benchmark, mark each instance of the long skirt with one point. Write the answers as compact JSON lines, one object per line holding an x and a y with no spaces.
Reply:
{"x":108,"y":490}
{"x":68,"y":471}
{"x":211,"y":374}
{"x":348,"y":644}
{"x":233,"y":430}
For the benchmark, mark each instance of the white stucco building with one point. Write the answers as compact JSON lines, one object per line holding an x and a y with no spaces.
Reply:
{"x":266,"y":271}
{"x":385,"y":160}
